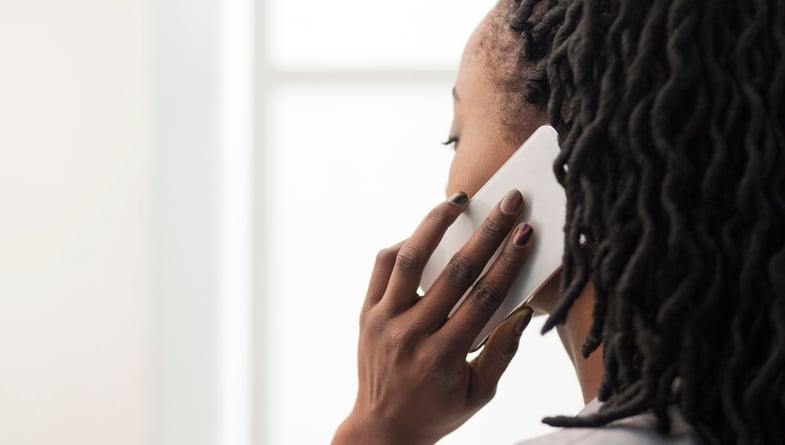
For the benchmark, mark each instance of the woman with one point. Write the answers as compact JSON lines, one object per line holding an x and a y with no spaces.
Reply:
{"x":670,"y":115}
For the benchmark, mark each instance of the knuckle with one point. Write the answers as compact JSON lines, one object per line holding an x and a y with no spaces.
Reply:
{"x":489,"y":394}
{"x":487,"y":296}
{"x":442,"y":350}
{"x":363,"y":318}
{"x":438,"y":214}
{"x":401,"y":338}
{"x":444,"y":377}
{"x":505,"y":353}
{"x":371,"y":321}
{"x":510,"y":261}
{"x":377,"y":327}
{"x":385,"y":255}
{"x":427,"y":359}
{"x":493,"y":228}
{"x":410,"y":259}
{"x":484,"y":394}
{"x":460,"y":272}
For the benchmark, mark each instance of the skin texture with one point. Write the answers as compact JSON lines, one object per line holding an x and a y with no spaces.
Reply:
{"x":415,"y":385}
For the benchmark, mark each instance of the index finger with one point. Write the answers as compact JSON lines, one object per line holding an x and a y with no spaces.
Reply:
{"x":414,"y":254}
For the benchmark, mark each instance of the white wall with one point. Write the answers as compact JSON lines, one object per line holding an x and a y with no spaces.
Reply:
{"x":110,"y":224}
{"x":75,"y":203}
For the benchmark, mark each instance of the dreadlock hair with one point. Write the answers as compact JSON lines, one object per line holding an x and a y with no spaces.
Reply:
{"x":670,"y":119}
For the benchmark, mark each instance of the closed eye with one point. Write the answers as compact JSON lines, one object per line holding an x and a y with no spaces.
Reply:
{"x":452,"y":140}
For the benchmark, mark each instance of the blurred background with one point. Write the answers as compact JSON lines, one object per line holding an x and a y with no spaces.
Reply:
{"x":192,"y":193}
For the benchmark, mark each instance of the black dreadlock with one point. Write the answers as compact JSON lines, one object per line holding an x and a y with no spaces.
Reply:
{"x":670,"y":118}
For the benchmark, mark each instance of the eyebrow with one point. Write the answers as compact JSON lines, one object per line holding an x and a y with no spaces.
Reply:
{"x":455,"y":95}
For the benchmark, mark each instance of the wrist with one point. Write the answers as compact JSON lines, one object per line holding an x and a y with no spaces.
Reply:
{"x":355,"y":431}
{"x":347,"y":434}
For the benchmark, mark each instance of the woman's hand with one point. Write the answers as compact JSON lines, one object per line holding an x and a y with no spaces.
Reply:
{"x":415,"y":383}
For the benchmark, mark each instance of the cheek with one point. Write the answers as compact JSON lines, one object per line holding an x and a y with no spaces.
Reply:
{"x":480,"y":153}
{"x":465,"y":174}
{"x":470,"y":169}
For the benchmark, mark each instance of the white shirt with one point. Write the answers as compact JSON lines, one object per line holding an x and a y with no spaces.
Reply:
{"x":635,"y":430}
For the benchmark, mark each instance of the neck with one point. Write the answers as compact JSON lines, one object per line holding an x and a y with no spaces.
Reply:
{"x":573,"y":334}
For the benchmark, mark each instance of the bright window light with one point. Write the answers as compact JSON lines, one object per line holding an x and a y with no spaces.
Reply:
{"x":365,"y":35}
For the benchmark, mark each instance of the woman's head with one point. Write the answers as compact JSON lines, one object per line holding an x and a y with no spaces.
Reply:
{"x":491,"y":114}
{"x":671,"y":120}
{"x":491,"y":119}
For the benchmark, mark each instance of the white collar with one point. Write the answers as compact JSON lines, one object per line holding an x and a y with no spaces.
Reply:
{"x":678,"y":425}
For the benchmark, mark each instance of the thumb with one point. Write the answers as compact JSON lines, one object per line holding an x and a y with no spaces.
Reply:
{"x":499,"y":351}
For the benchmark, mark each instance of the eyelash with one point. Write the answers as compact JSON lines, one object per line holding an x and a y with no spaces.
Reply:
{"x":452,"y":140}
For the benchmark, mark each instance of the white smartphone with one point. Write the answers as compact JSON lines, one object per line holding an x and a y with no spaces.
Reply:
{"x":530,"y":170}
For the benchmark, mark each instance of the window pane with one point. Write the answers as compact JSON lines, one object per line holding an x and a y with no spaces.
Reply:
{"x":350,"y":171}
{"x":355,"y":33}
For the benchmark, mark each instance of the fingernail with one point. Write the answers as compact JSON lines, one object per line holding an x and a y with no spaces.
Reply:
{"x":512,"y":202}
{"x":522,"y":235}
{"x":459,"y":198}
{"x":525,"y":315}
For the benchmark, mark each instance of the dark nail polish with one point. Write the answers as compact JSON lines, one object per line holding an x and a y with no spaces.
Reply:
{"x":522,"y":235}
{"x":524,"y":321}
{"x":512,"y":202}
{"x":458,"y":198}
